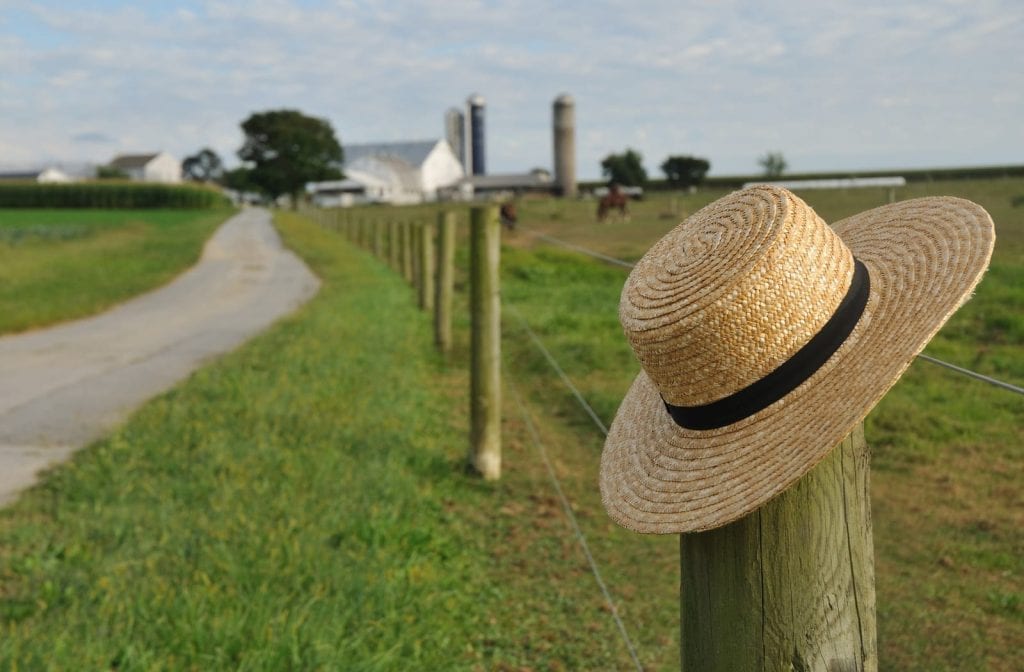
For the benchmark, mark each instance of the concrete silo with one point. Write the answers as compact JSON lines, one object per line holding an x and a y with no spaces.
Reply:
{"x":475,"y":135}
{"x":564,"y":131}
{"x":455,"y":132}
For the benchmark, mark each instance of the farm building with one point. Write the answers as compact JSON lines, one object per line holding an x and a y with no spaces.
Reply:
{"x":398,"y":172}
{"x":502,"y":185}
{"x":159,"y":167}
{"x":42,"y":176}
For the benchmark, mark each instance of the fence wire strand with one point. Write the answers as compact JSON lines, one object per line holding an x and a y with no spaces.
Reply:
{"x":580,"y":537}
{"x":558,"y":369}
{"x":621,"y":262}
{"x":972,"y":374}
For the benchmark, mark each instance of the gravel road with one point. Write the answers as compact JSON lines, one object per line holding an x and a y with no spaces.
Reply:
{"x":65,"y":386}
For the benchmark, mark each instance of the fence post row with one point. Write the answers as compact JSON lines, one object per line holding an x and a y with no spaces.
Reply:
{"x":790,"y":586}
{"x":417,"y":245}
{"x":485,"y":342}
{"x":378,"y":239}
{"x":445,"y":281}
{"x":426,"y":266}
{"x":407,"y":234}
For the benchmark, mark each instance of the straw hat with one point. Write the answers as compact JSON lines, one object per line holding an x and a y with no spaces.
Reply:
{"x":765,"y":336}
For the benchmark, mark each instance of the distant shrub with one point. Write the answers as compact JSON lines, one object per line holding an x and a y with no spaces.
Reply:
{"x":119,"y":195}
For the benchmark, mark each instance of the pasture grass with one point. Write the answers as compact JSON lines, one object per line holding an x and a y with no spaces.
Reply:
{"x":946,"y":495}
{"x":302,"y":504}
{"x":63,"y":264}
{"x":948,"y":451}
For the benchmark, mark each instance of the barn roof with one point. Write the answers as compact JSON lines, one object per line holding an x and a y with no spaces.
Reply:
{"x":413,"y":153}
{"x":132,"y":160}
{"x":21,"y":174}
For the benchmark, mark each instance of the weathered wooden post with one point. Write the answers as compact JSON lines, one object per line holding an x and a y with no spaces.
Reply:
{"x":378,"y":238}
{"x":427,"y":266}
{"x":417,"y":245}
{"x":485,"y":342}
{"x":793,"y":583}
{"x":406,"y":237}
{"x":393,"y":245}
{"x":445,"y":281}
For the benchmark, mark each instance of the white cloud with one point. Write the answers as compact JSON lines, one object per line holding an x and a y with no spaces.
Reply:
{"x":725,"y":80}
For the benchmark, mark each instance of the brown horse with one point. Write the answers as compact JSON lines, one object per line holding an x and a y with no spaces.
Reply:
{"x":615,"y":199}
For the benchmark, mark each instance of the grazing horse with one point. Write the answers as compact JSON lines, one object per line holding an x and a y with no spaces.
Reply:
{"x":615,"y":199}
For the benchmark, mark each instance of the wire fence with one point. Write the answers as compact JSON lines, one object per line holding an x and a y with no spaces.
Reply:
{"x":626,"y":264}
{"x":574,"y":524}
{"x":558,"y":369}
{"x":535,"y":439}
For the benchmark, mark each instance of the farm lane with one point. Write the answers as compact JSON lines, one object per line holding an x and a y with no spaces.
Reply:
{"x":63,"y":387}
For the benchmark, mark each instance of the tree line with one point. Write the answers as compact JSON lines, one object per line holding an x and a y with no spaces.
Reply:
{"x":680,"y":171}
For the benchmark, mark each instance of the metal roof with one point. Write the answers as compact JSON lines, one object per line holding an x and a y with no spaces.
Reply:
{"x":413,"y":153}
{"x":132,"y":160}
{"x":509,"y":181}
{"x":21,"y":175}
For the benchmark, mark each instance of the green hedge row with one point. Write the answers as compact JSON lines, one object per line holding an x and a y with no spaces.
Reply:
{"x":116,"y":195}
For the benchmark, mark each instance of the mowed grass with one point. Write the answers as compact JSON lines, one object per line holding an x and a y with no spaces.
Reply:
{"x":62,"y":264}
{"x":948,"y":451}
{"x":302,"y":504}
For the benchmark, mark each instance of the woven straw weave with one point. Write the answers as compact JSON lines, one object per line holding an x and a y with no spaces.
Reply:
{"x":729,"y":295}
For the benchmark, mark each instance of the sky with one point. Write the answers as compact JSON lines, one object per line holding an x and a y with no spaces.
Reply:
{"x":832,"y":85}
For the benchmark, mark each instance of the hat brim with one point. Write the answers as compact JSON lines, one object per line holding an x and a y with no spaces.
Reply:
{"x":924,"y":257}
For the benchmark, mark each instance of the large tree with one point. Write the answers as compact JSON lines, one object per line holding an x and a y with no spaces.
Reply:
{"x":285,"y":149}
{"x":685,"y":171}
{"x":773,"y":164}
{"x":626,"y":169}
{"x":203,"y":166}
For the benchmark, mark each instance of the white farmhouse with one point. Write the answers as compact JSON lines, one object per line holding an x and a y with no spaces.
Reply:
{"x":159,"y":167}
{"x":396,"y":172}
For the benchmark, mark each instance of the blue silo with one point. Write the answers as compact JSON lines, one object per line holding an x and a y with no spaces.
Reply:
{"x":475,"y":104}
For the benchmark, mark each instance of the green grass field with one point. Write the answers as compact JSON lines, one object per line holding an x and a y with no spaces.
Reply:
{"x":947,"y":502}
{"x":62,"y":264}
{"x":302,"y":504}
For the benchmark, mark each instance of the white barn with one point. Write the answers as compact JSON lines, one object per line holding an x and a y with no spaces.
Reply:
{"x":396,"y":172}
{"x":159,"y":167}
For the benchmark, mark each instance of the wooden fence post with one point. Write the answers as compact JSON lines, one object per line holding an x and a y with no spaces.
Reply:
{"x":393,"y":245}
{"x":417,"y":245}
{"x":485,"y":342}
{"x":445,"y":281}
{"x":790,"y":586}
{"x":427,"y":266}
{"x":406,"y":238}
{"x":378,"y":238}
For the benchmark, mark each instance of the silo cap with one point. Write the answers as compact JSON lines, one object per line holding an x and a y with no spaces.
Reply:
{"x":476,"y":99}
